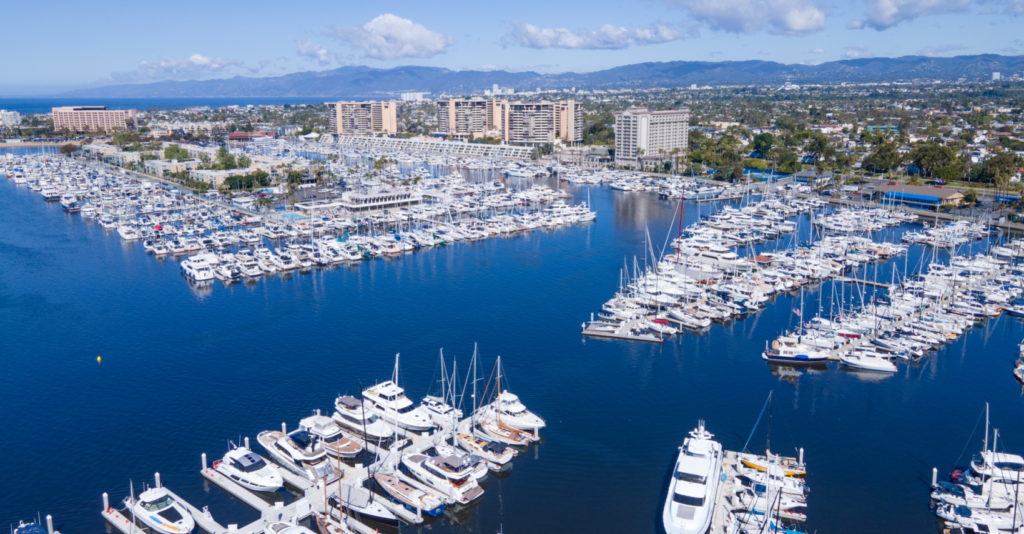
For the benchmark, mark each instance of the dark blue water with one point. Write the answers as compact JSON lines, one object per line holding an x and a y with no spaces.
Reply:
{"x":184,"y":371}
{"x":28,"y":105}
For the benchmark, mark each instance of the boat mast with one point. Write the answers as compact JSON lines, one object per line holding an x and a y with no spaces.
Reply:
{"x":985,"y":447}
{"x":497,"y":403}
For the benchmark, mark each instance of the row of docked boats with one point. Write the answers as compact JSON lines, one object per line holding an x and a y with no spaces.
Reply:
{"x":985,"y":495}
{"x":426,"y":457}
{"x":223,"y":243}
{"x":917,"y":316}
{"x":705,"y":280}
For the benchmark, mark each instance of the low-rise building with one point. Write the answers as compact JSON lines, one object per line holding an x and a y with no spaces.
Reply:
{"x":216,"y":177}
{"x":918,"y":196}
{"x":378,"y":200}
{"x":123,"y":158}
{"x":98,"y":150}
{"x":162,"y":167}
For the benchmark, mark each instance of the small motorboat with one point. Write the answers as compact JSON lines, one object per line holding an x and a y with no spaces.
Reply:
{"x":332,"y":439}
{"x":359,"y":502}
{"x":249,"y":470}
{"x":29,"y":528}
{"x":867,"y":362}
{"x":281,"y":527}
{"x":160,"y":512}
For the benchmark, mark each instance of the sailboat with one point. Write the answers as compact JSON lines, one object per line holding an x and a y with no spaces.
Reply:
{"x":388,"y":401}
{"x":493,"y":427}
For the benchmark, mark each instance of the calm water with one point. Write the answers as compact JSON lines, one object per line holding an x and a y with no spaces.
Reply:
{"x":185,"y":371}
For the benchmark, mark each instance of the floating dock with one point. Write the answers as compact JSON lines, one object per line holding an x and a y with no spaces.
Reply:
{"x":618,"y":331}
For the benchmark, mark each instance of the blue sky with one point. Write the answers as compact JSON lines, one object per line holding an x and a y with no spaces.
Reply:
{"x":60,"y":45}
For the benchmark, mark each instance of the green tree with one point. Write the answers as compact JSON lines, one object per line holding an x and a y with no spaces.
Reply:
{"x":970,"y":196}
{"x":225,"y":160}
{"x":175,"y":152}
{"x":68,"y":149}
{"x":244,"y":162}
{"x":763,"y":143}
{"x":931,"y":156}
{"x":884,"y":159}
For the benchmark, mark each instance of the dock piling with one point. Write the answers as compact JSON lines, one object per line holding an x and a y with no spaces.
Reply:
{"x":49,"y":523}
{"x":106,"y":501}
{"x":157,"y":480}
{"x":801,"y":461}
{"x":935,"y":475}
{"x":247,"y":442}
{"x":204,"y":461}
{"x":284,"y":428}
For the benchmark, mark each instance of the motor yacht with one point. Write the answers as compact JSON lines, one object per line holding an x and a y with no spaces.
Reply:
{"x":160,"y":512}
{"x":281,"y":527}
{"x":411,"y":498}
{"x":440,"y":412}
{"x":515,"y":414}
{"x":450,"y":475}
{"x":388,"y":401}
{"x":694,"y":484}
{"x":197,"y":270}
{"x":496,"y":454}
{"x":128,"y":233}
{"x":351,"y":415}
{"x":299,"y":452}
{"x":249,"y":470}
{"x":331,"y":438}
{"x":791,"y":351}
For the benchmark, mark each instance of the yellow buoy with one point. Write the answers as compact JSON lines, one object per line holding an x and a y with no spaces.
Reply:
{"x":98,"y":359}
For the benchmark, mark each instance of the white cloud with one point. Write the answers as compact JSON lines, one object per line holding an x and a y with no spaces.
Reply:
{"x":856,"y":24}
{"x":313,"y":51}
{"x":932,"y":51}
{"x":197,"y":66}
{"x":786,"y":17}
{"x":884,"y":14}
{"x":606,"y":37}
{"x":857,"y":52}
{"x":818,"y":51}
{"x":392,"y":37}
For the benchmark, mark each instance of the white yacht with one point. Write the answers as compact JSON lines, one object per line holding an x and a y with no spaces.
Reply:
{"x":515,"y":414}
{"x":197,"y":270}
{"x":351,"y":415}
{"x":450,"y":475}
{"x":694,"y":484}
{"x":440,"y":412}
{"x":388,"y":401}
{"x":332,"y":439}
{"x":249,"y":470}
{"x":867,"y":361}
{"x":160,"y":512}
{"x":128,"y":233}
{"x":299,"y":452}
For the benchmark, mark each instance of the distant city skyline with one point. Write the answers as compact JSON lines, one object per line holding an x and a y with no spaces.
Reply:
{"x":74,"y":45}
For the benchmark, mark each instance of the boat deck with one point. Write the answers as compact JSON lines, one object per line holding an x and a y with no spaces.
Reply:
{"x":622,"y":331}
{"x":724,"y":500}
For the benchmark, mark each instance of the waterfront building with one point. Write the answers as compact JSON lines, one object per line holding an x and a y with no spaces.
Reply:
{"x":431,"y":147}
{"x":918,"y":196}
{"x":376,"y":200}
{"x":515,"y":123}
{"x":640,"y":132}
{"x":162,"y":167}
{"x":363,"y":118}
{"x":93,"y":119}
{"x":9,"y":118}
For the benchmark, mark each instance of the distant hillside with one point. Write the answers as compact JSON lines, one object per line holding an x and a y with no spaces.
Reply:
{"x":351,"y":82}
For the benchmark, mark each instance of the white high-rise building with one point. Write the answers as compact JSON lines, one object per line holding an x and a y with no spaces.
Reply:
{"x":641,"y":133}
{"x":996,"y":76}
{"x":9,"y":118}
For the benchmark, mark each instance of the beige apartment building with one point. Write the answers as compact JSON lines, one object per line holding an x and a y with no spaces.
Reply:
{"x":93,"y":118}
{"x":364,"y":118}
{"x":643,"y":136}
{"x":516,"y":123}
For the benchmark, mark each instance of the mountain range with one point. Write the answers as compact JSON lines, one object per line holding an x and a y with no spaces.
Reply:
{"x":368,"y":82}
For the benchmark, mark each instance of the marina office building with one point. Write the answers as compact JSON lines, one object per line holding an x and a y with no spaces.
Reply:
{"x":363,"y":118}
{"x":93,"y":118}
{"x":643,"y":137}
{"x":515,"y":123}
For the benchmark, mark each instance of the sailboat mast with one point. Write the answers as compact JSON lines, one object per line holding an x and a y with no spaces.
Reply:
{"x":497,"y":403}
{"x":985,"y":447}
